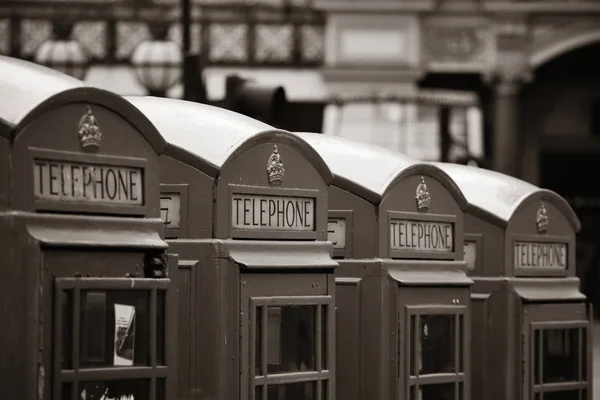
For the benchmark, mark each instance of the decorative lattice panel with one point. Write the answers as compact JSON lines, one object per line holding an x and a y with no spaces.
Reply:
{"x":274,"y":43}
{"x":129,"y":35}
{"x":312,"y":46}
{"x":228,"y":42}
{"x":4,"y":36}
{"x":175,"y":34}
{"x":34,"y":32}
{"x":92,"y":36}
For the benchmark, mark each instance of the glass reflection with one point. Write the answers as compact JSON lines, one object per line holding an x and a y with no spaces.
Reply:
{"x":291,"y":339}
{"x":444,"y":391}
{"x":560,"y":355}
{"x":437,"y":344}
{"x":126,"y":389}
{"x":292,"y":391}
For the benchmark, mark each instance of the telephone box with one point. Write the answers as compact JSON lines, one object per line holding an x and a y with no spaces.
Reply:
{"x":87,"y":298}
{"x":531,"y":325}
{"x":402,"y":293}
{"x":245,"y":209}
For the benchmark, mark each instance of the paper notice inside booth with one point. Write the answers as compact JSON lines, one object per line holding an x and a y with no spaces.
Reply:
{"x":124,"y":335}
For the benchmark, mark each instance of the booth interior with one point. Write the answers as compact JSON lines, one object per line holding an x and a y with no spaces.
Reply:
{"x":245,"y":209}
{"x":402,"y":293}
{"x":87,"y":300}
{"x":531,"y":325}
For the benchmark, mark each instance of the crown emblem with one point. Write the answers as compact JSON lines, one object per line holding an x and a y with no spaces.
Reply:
{"x":89,"y":131}
{"x":542,"y":219}
{"x":422,"y":196}
{"x":275,"y":169}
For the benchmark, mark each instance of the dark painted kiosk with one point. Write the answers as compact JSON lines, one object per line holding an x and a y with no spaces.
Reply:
{"x":531,"y":325}
{"x":245,"y":208}
{"x":87,"y":302}
{"x":402,"y":293}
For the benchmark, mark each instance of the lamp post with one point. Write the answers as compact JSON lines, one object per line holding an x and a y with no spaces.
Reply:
{"x":157,"y":61}
{"x":63,"y":53}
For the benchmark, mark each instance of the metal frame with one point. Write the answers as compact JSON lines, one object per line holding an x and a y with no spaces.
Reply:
{"x":457,"y":378}
{"x":152,"y":372}
{"x":321,"y":374}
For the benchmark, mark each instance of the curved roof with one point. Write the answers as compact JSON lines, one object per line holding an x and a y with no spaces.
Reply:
{"x":498,"y":196}
{"x":28,"y":90}
{"x":370,"y":171}
{"x":208,"y":137}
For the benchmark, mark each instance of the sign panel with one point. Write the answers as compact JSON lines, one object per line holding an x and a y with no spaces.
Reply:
{"x":540,"y":255}
{"x":87,"y":183}
{"x":470,"y":254}
{"x":421,"y":236}
{"x":170,"y":210}
{"x":336,"y":232}
{"x":254,"y":212}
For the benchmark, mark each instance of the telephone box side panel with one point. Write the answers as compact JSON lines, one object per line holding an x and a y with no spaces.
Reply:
{"x":21,"y":374}
{"x":84,"y":158}
{"x":489,"y":252}
{"x":436,"y":208}
{"x":255,"y":187}
{"x":361,"y":234}
{"x":479,"y":345}
{"x":348,"y":328}
{"x":195,"y":193}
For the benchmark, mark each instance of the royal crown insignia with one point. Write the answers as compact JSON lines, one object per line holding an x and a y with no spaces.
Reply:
{"x":89,"y":131}
{"x":275,"y":169}
{"x":542,"y":219}
{"x":423,"y":198}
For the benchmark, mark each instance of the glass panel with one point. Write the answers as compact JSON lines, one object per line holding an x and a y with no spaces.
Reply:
{"x":566,"y":395}
{"x":291,"y":339}
{"x":258,"y":392}
{"x":161,"y":389}
{"x":413,"y":395}
{"x":324,"y":312}
{"x":126,"y":323}
{"x":258,"y":354}
{"x":65,"y":389}
{"x":461,"y":339}
{"x":560,"y":355}
{"x":123,"y":389}
{"x":292,"y":391}
{"x":324,"y":390}
{"x":413,"y":343}
{"x":584,"y":355}
{"x":537,"y":396}
{"x":161,"y":326}
{"x":461,"y":391}
{"x":66,"y":299}
{"x":443,"y":391}
{"x":536,"y":358}
{"x":437,"y":344}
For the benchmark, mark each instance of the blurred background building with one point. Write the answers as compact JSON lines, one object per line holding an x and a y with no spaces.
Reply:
{"x":511,"y":84}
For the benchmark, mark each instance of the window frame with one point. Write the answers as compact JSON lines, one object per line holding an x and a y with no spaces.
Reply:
{"x":323,"y":304}
{"x":75,"y":375}
{"x":458,"y":378}
{"x":583,"y":386}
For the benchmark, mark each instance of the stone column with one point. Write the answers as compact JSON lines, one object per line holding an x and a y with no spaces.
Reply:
{"x":506,"y":148}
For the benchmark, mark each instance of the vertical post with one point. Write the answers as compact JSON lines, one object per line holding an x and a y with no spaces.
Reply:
{"x":445,"y":137}
{"x":506,"y":149}
{"x":186,"y":22}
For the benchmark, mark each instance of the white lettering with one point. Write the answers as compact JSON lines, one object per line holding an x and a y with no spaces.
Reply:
{"x":87,"y":183}
{"x":336,"y":232}
{"x":540,"y":255}
{"x":421,"y":235}
{"x":272,"y":213}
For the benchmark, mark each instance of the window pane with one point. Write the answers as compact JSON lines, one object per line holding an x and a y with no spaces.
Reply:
{"x":413,"y":344}
{"x":258,"y":392}
{"x":413,"y":395}
{"x":258,"y":342}
{"x":66,"y":299}
{"x":324,"y":390}
{"x":536,"y":358}
{"x":437,"y":344}
{"x":291,"y":339}
{"x":120,"y":389}
{"x":161,"y":389}
{"x":161,"y":325}
{"x":324,"y":311}
{"x":292,"y":391}
{"x":65,"y":389}
{"x":443,"y":391}
{"x":460,"y":338}
{"x":560,"y":355}
{"x":567,"y":395}
{"x":584,"y":355}
{"x":116,"y":328}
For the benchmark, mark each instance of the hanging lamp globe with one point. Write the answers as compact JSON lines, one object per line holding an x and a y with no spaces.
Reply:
{"x":63,"y":53}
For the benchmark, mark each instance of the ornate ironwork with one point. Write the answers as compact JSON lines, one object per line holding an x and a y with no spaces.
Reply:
{"x":274,"y":33}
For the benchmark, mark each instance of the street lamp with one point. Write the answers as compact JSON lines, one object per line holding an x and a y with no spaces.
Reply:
{"x":63,"y":53}
{"x":157,"y":61}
